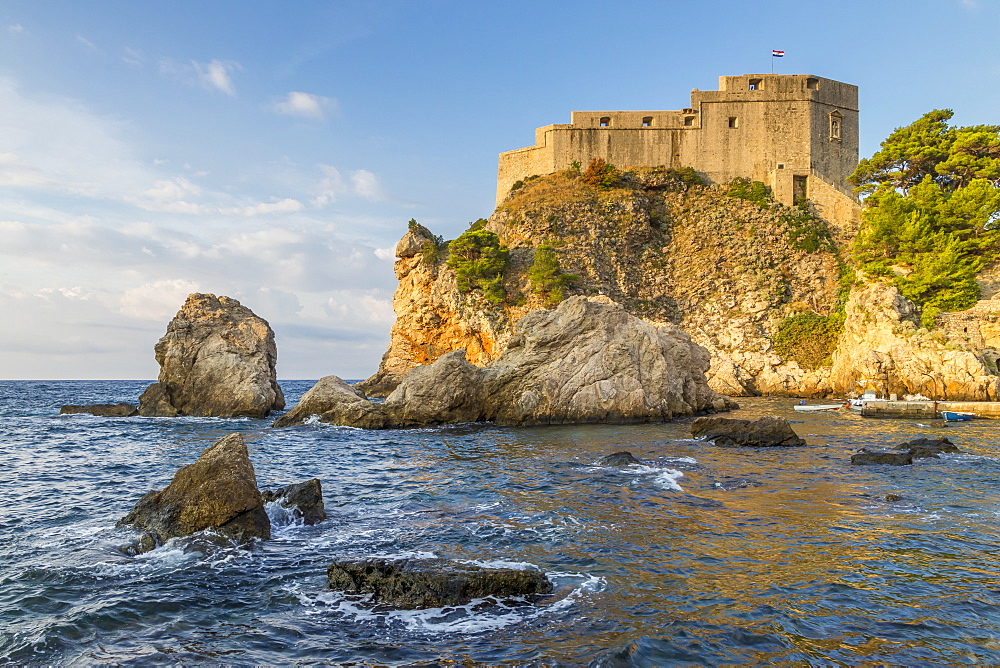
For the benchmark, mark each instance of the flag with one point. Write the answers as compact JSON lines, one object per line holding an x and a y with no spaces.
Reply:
{"x":777,"y":54}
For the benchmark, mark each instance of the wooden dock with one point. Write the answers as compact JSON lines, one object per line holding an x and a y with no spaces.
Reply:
{"x":929,"y":410}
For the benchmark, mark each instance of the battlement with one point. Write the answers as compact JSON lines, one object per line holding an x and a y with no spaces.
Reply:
{"x":798,"y":133}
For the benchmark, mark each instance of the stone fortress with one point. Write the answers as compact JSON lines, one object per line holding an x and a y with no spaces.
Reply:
{"x":796,"y":133}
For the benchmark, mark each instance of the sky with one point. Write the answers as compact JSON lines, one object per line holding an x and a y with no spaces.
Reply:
{"x":274,"y":152}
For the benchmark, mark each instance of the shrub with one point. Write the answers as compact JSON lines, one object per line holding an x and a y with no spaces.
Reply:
{"x":478,"y":260}
{"x":806,"y":231}
{"x":546,"y":274}
{"x":601,"y":175}
{"x":751,"y":191}
{"x":809,"y":338}
{"x":688,"y":175}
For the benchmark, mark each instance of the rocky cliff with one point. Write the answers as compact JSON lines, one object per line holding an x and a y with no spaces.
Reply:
{"x":729,"y":272}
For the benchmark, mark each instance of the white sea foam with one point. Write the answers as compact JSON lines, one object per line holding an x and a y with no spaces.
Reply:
{"x":668,"y":480}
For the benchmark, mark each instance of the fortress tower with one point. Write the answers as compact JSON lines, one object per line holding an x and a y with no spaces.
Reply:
{"x":797,"y":133}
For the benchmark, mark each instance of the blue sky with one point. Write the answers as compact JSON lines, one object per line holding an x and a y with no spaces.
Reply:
{"x":273,"y":152}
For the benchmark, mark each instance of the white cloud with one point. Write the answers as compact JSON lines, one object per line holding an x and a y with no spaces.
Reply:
{"x":86,"y":42}
{"x":216,"y":75}
{"x":157,"y":301}
{"x":388,"y":254}
{"x":366,"y":185}
{"x":133,"y":57}
{"x":286,"y":205}
{"x":16,"y":28}
{"x":305,"y":105}
{"x":173,"y":189}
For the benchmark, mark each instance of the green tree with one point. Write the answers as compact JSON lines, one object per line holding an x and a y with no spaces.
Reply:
{"x":932,"y":210}
{"x":478,"y":260}
{"x":546,"y":275}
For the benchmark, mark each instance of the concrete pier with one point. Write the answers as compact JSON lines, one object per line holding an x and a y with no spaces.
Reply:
{"x":929,"y":410}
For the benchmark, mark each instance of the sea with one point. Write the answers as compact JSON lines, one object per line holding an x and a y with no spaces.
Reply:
{"x":701,"y":555}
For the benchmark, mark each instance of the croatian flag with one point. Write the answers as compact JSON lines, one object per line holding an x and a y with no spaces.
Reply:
{"x":777,"y":54}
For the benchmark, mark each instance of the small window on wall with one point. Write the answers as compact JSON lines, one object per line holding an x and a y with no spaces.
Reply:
{"x":755,"y":84}
{"x":812,"y":83}
{"x":647,"y":121}
{"x":734,"y":122}
{"x":689,"y":121}
{"x":605,"y":121}
{"x":836,"y":125}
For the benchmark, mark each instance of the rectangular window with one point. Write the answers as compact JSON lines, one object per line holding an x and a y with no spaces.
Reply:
{"x":689,"y":121}
{"x":733,"y":122}
{"x":812,"y":83}
{"x":647,"y":121}
{"x":755,"y":84}
{"x":605,"y":121}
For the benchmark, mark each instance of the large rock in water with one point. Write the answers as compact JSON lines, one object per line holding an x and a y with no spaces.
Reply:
{"x":904,"y":453}
{"x":766,"y":432}
{"x":590,"y":361}
{"x":219,"y":491}
{"x":216,"y":359}
{"x":431,"y":583}
{"x":587,"y":361}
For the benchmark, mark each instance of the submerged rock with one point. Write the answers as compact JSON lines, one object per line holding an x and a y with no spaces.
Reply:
{"x":103,"y":410}
{"x":884,"y":457}
{"x":923,"y":448}
{"x":216,"y":359}
{"x":904,"y":453}
{"x":304,"y":499}
{"x":766,"y":432}
{"x":623,"y":458}
{"x":431,"y":583}
{"x":219,"y":491}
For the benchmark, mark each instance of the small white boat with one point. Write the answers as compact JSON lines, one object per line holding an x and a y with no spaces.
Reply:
{"x":869,"y":394}
{"x":818,"y":407}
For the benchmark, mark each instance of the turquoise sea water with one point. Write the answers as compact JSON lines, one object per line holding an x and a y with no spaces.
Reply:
{"x":703,"y":555}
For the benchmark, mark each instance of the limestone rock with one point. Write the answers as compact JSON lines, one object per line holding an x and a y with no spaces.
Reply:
{"x":449,"y":390}
{"x":882,"y":341}
{"x":587,"y":361}
{"x":590,"y":361}
{"x":766,"y":432}
{"x":336,"y":402}
{"x":218,"y":491}
{"x":623,"y":458}
{"x":304,"y":500}
{"x":103,"y":410}
{"x":216,"y":359}
{"x":924,"y":448}
{"x":431,"y":583}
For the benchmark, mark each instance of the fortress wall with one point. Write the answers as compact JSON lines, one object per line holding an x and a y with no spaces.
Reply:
{"x":841,"y":211}
{"x":537,"y":159}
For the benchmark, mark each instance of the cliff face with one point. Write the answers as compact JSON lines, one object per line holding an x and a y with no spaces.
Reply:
{"x":724,"y":270}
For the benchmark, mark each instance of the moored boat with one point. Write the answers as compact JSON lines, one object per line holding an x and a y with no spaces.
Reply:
{"x":818,"y":407}
{"x":955,"y":416}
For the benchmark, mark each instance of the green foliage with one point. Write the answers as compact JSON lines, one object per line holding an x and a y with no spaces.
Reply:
{"x":546,"y":275}
{"x":574,"y":168}
{"x":601,"y":175}
{"x":808,"y":338}
{"x":929,"y":316}
{"x":931,"y":214}
{"x":478,"y":225}
{"x":688,"y":175}
{"x":751,"y":191}
{"x":517,"y":185}
{"x":806,"y":231}
{"x":478,"y":259}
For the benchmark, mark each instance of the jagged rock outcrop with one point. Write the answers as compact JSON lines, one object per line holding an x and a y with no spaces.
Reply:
{"x":411,"y":584}
{"x":882,"y":341}
{"x":303,"y":500}
{"x":723,"y":269}
{"x":102,"y":410}
{"x":216,"y":359}
{"x":768,"y":431}
{"x":587,"y":361}
{"x":590,"y":361}
{"x":219,"y":491}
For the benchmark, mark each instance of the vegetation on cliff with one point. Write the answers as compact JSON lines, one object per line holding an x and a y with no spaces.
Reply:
{"x":932,"y":210}
{"x":546,"y":275}
{"x":478,"y":259}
